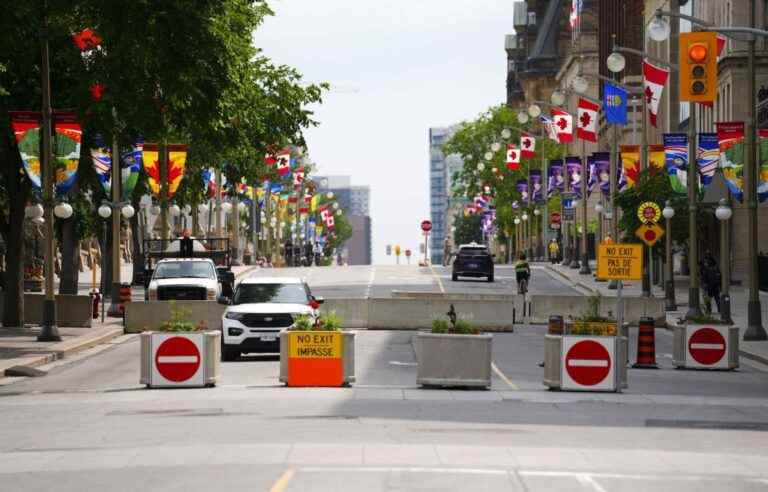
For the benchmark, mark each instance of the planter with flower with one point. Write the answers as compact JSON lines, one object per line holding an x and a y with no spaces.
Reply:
{"x":180,"y":354}
{"x":591,"y":354}
{"x":706,"y":343}
{"x":315,"y":351}
{"x":453,"y":354}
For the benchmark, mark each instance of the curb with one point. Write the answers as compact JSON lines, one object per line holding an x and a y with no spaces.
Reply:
{"x":753,"y":357}
{"x":62,"y":350}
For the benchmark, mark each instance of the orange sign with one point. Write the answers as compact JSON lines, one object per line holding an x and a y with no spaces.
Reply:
{"x":314,"y":358}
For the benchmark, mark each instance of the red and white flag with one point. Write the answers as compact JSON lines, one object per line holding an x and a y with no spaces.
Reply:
{"x":563,"y":125}
{"x":654,"y":80}
{"x":298,"y":177}
{"x":284,"y":162}
{"x":513,"y":157}
{"x":587,"y":120}
{"x":324,"y":213}
{"x":527,"y":145}
{"x":330,"y":223}
{"x":270,"y":160}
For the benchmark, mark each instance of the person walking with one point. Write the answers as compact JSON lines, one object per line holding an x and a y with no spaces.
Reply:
{"x":447,"y":252}
{"x":710,"y":282}
{"x":554,"y":251}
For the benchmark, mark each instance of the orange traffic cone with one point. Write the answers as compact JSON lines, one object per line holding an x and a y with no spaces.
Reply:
{"x":646,"y":345}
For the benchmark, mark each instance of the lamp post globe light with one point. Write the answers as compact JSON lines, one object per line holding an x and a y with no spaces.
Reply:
{"x":599,"y":208}
{"x":495,"y":146}
{"x":534,"y":111}
{"x":63,"y":210}
{"x":522,"y":118}
{"x":616,"y":62}
{"x":557,"y":98}
{"x":517,"y":221}
{"x":33,"y":211}
{"x":480,"y":166}
{"x":488,"y":156}
{"x":128,"y":211}
{"x":580,"y":84}
{"x":658,"y":29}
{"x":669,"y":286}
{"x":105,"y":211}
{"x":507,"y":133}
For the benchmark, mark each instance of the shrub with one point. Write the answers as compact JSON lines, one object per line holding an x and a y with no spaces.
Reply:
{"x":439,"y":326}
{"x":179,"y":321}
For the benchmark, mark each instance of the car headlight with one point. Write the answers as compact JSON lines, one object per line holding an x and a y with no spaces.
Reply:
{"x":235,"y":316}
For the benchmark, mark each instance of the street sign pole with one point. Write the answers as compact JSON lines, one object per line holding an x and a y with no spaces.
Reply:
{"x":426,"y":246}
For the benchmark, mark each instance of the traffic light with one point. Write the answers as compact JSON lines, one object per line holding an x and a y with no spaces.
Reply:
{"x":698,"y":66}
{"x":389,"y":249}
{"x":397,"y":250}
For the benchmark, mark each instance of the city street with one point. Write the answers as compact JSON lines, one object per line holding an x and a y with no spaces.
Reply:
{"x":89,"y":424}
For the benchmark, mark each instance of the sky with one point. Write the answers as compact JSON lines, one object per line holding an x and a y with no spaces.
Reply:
{"x":398,"y":67}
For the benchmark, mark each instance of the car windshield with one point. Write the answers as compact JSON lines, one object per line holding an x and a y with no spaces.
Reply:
{"x":473,"y":251}
{"x":271,"y":293}
{"x":184,"y":269}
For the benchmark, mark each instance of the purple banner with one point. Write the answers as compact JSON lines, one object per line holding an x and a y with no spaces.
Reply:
{"x":592,"y":174}
{"x":522,"y":188}
{"x":573,"y":168}
{"x":555,"y":177}
{"x":537,"y":193}
{"x":602,"y":171}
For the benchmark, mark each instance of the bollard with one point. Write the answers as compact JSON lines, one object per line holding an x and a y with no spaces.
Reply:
{"x":646,"y":345}
{"x":95,"y":299}
{"x":554,"y":327}
{"x":125,"y":296}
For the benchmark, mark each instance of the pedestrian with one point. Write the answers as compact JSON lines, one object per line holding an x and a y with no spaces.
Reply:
{"x":447,"y":252}
{"x":288,"y":252}
{"x":709,"y":273}
{"x":554,"y":251}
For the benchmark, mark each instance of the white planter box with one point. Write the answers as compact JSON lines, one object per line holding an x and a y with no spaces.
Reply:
{"x":585,"y":363}
{"x":454,"y":360}
{"x":172,"y":360}
{"x":698,"y":346}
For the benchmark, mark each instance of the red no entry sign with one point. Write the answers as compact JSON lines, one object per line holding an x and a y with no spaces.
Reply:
{"x":588,"y":363}
{"x":426,"y":225}
{"x":706,"y":346}
{"x":177,"y":359}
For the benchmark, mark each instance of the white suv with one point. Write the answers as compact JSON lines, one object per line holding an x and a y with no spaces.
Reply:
{"x":260,"y":309}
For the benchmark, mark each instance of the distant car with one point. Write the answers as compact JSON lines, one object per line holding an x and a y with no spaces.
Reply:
{"x":473,"y":260}
{"x":188,"y":279}
{"x":259,"y":310}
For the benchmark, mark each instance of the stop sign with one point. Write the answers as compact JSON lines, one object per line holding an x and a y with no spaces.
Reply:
{"x":707,"y":347}
{"x":426,"y":225}
{"x":407,"y":252}
{"x":177,"y":360}
{"x":588,"y":363}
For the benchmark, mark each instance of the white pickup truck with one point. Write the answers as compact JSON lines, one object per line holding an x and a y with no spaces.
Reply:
{"x":184,"y":279}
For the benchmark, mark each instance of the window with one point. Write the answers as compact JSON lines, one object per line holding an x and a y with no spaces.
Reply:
{"x":272,"y":293}
{"x":184,"y":269}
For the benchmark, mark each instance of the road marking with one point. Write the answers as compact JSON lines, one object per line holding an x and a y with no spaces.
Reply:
{"x":588,"y":481}
{"x":439,"y":280}
{"x":503,"y":377}
{"x":406,"y":469}
{"x":282,"y":482}
{"x":398,"y":363}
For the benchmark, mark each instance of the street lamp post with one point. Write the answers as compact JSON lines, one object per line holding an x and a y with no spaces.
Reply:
{"x":669,"y":285}
{"x":723,"y":212}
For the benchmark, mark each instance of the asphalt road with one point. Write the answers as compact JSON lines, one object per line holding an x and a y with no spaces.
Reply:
{"x":88,"y":424}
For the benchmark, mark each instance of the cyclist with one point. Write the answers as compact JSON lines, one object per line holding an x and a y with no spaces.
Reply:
{"x":522,"y":272}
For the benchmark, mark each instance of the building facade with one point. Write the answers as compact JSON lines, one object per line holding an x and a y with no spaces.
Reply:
{"x":355,"y":201}
{"x":442,"y":207}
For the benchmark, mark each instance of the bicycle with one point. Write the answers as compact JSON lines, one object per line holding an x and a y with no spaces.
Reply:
{"x":522,"y":286}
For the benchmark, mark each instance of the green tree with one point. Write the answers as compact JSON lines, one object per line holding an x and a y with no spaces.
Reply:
{"x":468,"y":229}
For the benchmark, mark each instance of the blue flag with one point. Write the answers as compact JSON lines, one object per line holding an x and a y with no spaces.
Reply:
{"x":615,"y":104}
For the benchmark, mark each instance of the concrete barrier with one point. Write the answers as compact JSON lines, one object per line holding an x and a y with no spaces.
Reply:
{"x":413,"y":314}
{"x":72,"y":311}
{"x":141,"y":316}
{"x":568,"y":305}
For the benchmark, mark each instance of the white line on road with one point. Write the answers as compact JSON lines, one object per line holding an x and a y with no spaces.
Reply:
{"x":588,"y":481}
{"x":406,"y":469}
{"x":503,"y":377}
{"x":177,"y":359}
{"x":439,"y":280}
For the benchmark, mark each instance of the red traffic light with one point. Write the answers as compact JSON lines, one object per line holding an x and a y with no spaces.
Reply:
{"x":697,"y":52}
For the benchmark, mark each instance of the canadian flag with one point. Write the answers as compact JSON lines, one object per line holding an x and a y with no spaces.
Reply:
{"x":527,"y":145}
{"x":284,"y":163}
{"x":330,"y":222}
{"x":587,"y":120}
{"x":270,"y":160}
{"x":563,"y":125}
{"x":298,"y":177}
{"x":654,"y":79}
{"x":513,"y":157}
{"x":324,"y":213}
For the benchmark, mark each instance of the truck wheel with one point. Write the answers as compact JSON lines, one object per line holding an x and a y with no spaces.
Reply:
{"x":490,"y":278}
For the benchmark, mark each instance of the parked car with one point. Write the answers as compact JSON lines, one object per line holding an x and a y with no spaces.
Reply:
{"x":189,"y":279}
{"x":259,"y":310}
{"x":473,"y":260}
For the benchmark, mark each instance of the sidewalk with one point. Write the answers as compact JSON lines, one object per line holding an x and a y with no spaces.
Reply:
{"x":739,"y":295}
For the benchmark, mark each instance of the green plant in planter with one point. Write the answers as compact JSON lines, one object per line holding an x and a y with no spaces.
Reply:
{"x":707,"y":320}
{"x":591,"y":322}
{"x":180,"y":322}
{"x":456,"y":326}
{"x":324,"y":322}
